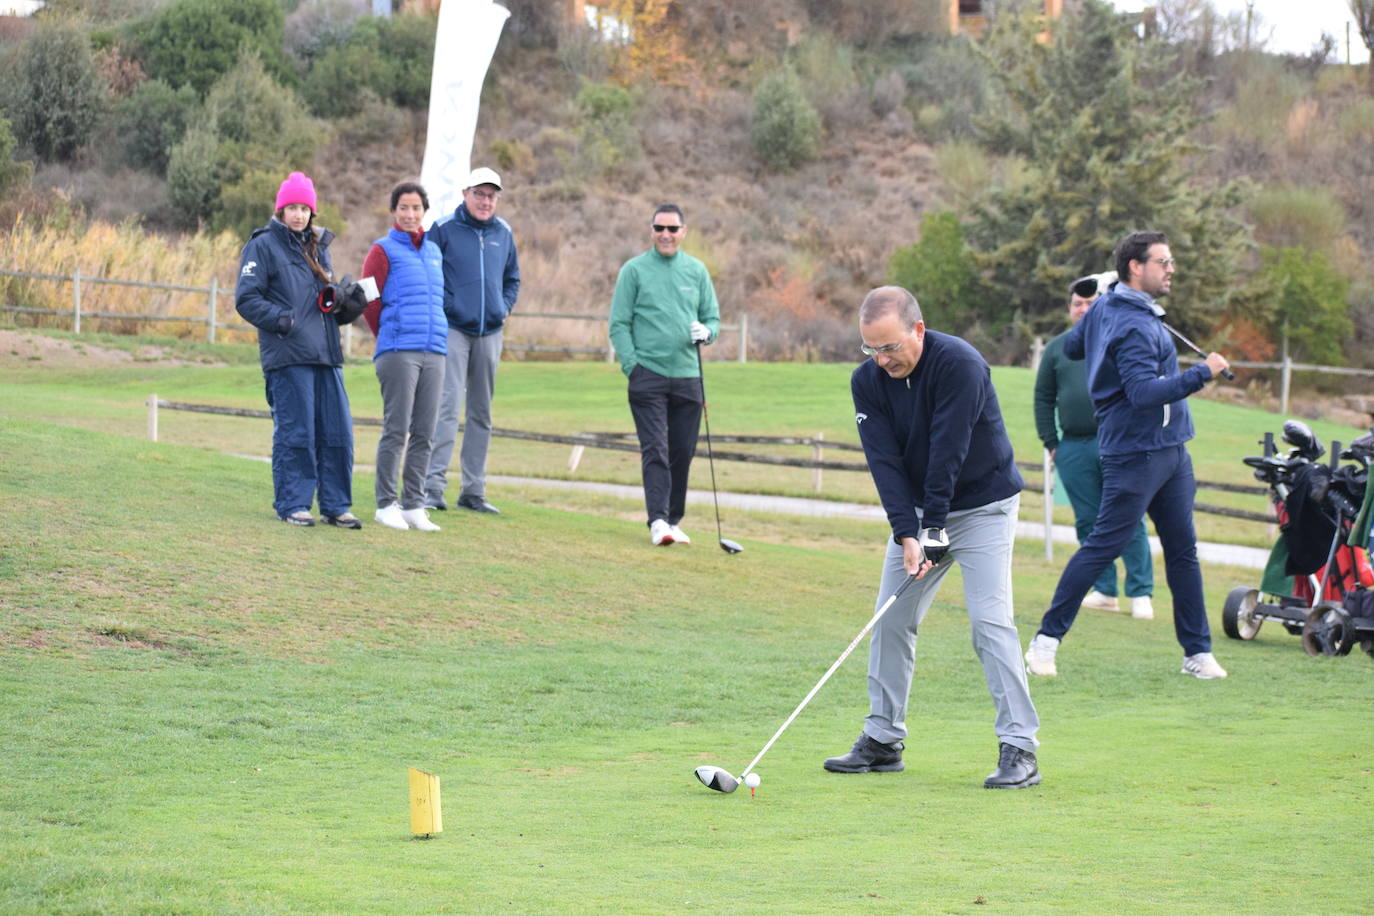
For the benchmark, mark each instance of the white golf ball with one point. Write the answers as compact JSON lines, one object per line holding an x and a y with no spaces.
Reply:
{"x":752,"y":780}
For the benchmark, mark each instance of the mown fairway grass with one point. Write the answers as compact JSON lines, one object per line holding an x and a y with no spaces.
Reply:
{"x":204,"y":710}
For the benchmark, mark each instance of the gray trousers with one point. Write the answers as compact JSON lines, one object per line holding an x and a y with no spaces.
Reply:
{"x":470,"y":378}
{"x":981,"y":542}
{"x":412,"y":382}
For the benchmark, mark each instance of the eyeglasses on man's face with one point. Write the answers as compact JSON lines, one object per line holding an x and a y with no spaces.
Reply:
{"x":1163,"y":262}
{"x":486,"y":195}
{"x":659,"y":227}
{"x":885,"y":348}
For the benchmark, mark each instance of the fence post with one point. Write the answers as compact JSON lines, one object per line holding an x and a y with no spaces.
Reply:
{"x":76,"y":299}
{"x":1048,"y":467}
{"x":213,"y":306}
{"x":817,"y":453}
{"x":152,"y":417}
{"x":744,"y":337}
{"x":1037,"y":350}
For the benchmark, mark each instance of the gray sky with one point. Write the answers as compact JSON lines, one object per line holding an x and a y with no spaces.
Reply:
{"x":1292,"y":26}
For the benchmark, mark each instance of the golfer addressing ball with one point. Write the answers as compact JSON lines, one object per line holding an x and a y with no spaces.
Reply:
{"x":932,"y":432}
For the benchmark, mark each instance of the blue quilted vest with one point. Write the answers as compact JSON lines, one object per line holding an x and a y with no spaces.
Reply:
{"x":413,"y":300}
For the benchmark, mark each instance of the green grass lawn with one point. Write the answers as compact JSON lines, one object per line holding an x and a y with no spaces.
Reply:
{"x":204,"y":710}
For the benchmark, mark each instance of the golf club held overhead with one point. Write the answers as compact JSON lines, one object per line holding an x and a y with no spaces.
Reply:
{"x":714,"y":777}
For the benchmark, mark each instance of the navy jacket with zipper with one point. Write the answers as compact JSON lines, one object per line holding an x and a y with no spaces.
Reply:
{"x":1137,"y":389}
{"x":481,"y":271}
{"x":934,"y":439}
{"x":278,"y":293}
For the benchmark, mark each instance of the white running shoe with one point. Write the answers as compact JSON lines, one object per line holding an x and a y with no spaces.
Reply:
{"x":419,"y":520}
{"x":679,"y":536}
{"x":1040,"y":655}
{"x":661,"y":533}
{"x":1203,"y":665}
{"x":1141,"y":608}
{"x":1100,"y":602}
{"x":391,"y":517}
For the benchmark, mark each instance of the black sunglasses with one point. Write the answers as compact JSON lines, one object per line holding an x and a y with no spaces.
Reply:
{"x":673,"y":229}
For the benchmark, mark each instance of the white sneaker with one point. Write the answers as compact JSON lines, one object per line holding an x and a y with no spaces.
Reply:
{"x":419,"y":520}
{"x":1141,"y":608}
{"x":679,"y":536}
{"x":1040,"y":655}
{"x":391,"y":517}
{"x":1100,"y":602}
{"x":661,"y":533}
{"x":1202,"y":666}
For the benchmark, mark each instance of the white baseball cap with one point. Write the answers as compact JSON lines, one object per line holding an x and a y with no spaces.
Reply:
{"x":483,"y":176}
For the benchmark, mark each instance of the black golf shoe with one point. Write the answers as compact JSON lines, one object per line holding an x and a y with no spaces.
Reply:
{"x":478,"y":504}
{"x":1015,"y":770}
{"x":868,"y":756}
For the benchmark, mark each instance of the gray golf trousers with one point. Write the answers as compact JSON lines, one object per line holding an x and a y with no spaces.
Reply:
{"x":469,"y":377}
{"x":980,"y":541}
{"x":412,"y":383}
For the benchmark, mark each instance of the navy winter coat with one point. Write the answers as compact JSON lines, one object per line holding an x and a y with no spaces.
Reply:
{"x":278,"y":294}
{"x":1139,"y":395}
{"x":481,"y":271}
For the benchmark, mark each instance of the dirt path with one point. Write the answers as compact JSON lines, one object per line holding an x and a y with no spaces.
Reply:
{"x":18,"y":348}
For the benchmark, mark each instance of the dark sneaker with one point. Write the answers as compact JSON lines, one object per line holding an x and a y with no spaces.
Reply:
{"x":436,"y":503}
{"x":868,"y":756}
{"x":1015,"y":770}
{"x":346,"y":520}
{"x":478,"y":504}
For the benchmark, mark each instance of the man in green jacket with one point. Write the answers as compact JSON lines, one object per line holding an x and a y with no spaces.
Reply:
{"x":1061,"y":386}
{"x":663,"y":308}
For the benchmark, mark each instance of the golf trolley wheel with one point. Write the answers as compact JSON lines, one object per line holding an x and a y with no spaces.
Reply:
{"x":1328,"y":631}
{"x":1238,"y":616}
{"x":1368,"y":646}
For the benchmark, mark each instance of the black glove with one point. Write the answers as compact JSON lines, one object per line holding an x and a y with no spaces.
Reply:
{"x":352,"y":302}
{"x":934,"y":543}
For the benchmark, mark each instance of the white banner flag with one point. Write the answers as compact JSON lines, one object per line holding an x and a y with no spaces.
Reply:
{"x":463,"y":46}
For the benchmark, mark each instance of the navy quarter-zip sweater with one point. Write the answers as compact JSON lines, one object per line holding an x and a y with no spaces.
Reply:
{"x":934,"y":439}
{"x":481,"y":271}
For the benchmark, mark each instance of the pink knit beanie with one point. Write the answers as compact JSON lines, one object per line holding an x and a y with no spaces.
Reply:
{"x":297,"y":189}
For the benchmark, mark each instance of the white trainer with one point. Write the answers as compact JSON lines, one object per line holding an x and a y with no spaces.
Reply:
{"x":1040,"y":655}
{"x":661,"y":533}
{"x":419,"y":520}
{"x":1100,"y":602}
{"x":1203,"y":665}
{"x":1141,"y":608}
{"x":391,"y":517}
{"x":679,"y":536}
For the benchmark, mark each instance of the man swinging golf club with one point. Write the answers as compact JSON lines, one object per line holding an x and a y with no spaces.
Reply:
{"x":932,"y":432}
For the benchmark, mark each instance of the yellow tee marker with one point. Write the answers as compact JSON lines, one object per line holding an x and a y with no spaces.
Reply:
{"x":426,"y":815}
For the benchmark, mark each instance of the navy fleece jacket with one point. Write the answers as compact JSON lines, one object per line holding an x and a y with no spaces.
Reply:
{"x":1137,"y":390}
{"x":935,"y":439}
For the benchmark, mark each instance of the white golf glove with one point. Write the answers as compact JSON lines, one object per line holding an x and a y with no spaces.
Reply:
{"x":700,"y":333}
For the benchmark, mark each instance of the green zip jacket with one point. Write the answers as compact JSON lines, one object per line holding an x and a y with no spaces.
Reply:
{"x":1062,"y":385}
{"x":656,"y":300}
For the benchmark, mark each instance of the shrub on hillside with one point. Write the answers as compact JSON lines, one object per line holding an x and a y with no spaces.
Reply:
{"x":825,"y":68}
{"x":1308,"y":298}
{"x":55,"y":96}
{"x":1289,"y":216}
{"x":607,"y":135}
{"x":151,"y":121}
{"x":394,"y":58}
{"x":939,"y":270}
{"x":196,"y":42}
{"x":14,"y":175}
{"x":318,"y":25}
{"x":786,"y":129}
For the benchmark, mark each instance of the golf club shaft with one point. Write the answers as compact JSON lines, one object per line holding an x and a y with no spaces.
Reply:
{"x":710,"y":456}
{"x":1194,"y":347}
{"x":825,"y":677}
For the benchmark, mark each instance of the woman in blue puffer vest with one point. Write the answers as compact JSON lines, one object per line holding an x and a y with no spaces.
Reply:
{"x":407,"y":315}
{"x":283,"y":288}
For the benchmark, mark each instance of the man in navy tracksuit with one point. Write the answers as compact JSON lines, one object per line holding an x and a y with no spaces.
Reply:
{"x":932,"y":432}
{"x":1138,"y":393}
{"x":481,"y":284}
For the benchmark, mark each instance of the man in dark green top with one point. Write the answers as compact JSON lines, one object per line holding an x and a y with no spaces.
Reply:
{"x":664,"y":307}
{"x":1061,"y":386}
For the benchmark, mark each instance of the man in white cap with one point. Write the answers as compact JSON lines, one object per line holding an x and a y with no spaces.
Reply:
{"x":481,"y":284}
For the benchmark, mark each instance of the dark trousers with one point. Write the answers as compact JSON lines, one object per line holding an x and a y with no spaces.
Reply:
{"x":312,"y":439}
{"x":1162,"y":484}
{"x":667,"y":414}
{"x":1080,"y":469}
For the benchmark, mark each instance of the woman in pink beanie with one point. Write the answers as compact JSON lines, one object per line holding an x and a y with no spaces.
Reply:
{"x":285,"y":290}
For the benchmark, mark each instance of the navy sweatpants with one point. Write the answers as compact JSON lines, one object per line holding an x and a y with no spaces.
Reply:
{"x":312,"y":439}
{"x":1160,"y":483}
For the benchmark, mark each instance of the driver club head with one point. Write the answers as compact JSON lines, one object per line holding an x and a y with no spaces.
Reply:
{"x":716,"y":778}
{"x":730,"y":546}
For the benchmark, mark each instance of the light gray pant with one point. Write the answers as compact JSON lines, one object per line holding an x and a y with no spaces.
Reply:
{"x":471,"y":378}
{"x":412,"y":383}
{"x":981,"y":541}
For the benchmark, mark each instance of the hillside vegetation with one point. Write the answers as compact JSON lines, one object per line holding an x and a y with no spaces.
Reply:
{"x":818,"y":148}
